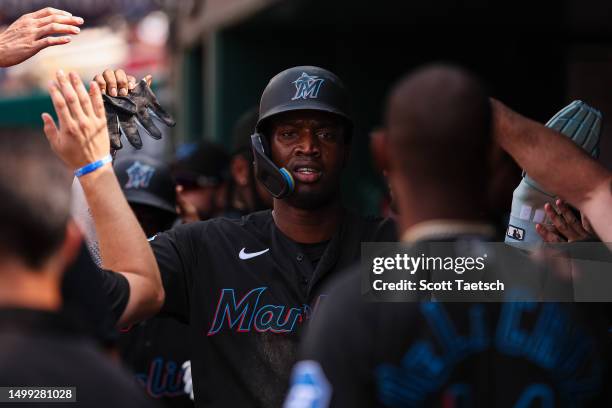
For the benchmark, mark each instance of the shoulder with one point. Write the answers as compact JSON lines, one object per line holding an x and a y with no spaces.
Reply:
{"x":74,"y":359}
{"x":254,"y":221}
{"x":342,"y":305}
{"x":257,"y":219}
{"x":345,"y":288}
{"x":224,"y":224}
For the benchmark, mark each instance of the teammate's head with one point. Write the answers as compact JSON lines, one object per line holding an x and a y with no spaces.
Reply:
{"x":438,"y":137}
{"x":150,"y":190}
{"x":304,"y":117}
{"x":35,"y":204}
{"x":203,"y":174}
{"x":245,"y":192}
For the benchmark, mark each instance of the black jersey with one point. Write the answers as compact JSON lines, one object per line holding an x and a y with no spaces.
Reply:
{"x":245,"y":290}
{"x":87,"y":292}
{"x":155,"y":350}
{"x":46,"y":349}
{"x":433,"y":354}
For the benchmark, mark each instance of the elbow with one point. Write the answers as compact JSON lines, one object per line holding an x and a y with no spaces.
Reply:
{"x":151,"y":302}
{"x":153,"y":295}
{"x":156,"y":294}
{"x":158,"y":298}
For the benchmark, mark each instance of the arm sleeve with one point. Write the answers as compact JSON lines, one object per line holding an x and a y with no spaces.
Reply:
{"x":174,"y":254}
{"x":117,"y":289}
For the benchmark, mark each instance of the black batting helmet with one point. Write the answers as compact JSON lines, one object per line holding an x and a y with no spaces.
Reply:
{"x":304,"y":87}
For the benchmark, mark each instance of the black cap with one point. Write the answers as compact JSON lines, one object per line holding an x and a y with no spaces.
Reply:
{"x":147,"y":181}
{"x":207,"y":165}
{"x":304,"y":88}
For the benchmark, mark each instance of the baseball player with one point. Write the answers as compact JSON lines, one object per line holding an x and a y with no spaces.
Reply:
{"x":83,"y":288}
{"x":531,"y":204}
{"x":154,"y":349}
{"x":245,"y":193}
{"x":245,"y":286}
{"x":43,"y":344}
{"x":534,"y":146}
{"x":435,"y":354}
{"x":203,"y":178}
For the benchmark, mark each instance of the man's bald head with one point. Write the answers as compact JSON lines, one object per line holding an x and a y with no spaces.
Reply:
{"x":438,"y":122}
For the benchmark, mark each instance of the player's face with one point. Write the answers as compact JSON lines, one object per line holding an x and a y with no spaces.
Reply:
{"x":311,"y":146}
{"x":209,"y":201}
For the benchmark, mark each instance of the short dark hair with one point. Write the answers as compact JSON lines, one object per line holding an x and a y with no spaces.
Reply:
{"x":34,"y":197}
{"x":439,"y":123}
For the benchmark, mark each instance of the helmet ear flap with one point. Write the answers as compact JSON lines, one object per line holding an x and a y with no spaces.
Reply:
{"x":278,"y":182}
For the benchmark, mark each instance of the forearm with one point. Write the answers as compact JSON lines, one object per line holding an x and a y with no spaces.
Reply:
{"x":535,"y":147}
{"x":122,"y":242}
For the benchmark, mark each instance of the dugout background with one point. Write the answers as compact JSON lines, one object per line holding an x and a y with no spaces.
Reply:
{"x":535,"y":56}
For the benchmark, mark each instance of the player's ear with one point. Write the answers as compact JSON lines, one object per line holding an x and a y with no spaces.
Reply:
{"x":379,"y":145}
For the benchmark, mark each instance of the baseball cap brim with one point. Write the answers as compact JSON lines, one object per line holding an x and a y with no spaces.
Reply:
{"x":311,"y":105}
{"x":146,"y":198}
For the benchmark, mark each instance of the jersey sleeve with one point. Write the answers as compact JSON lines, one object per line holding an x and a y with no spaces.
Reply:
{"x":334,"y":363}
{"x":94,"y":296}
{"x":175,"y":258}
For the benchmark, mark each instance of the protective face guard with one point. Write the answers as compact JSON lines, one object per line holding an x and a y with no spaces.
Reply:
{"x":278,"y":182}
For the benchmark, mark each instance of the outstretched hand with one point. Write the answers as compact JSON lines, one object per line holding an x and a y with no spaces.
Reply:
{"x":35,"y":31}
{"x":82,"y":136}
{"x":566,"y":227}
{"x":117,"y":82}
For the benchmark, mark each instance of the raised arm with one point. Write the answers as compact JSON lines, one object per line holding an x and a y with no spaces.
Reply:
{"x":577,"y":178}
{"x":81,"y":139}
{"x":34,"y":32}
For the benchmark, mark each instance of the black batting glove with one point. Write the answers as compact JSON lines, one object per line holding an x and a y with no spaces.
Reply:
{"x":114,"y":106}
{"x":127,"y":111}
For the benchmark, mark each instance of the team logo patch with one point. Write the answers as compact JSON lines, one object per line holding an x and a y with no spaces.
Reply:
{"x":515,"y":233}
{"x":139,"y":175}
{"x":309,"y":386}
{"x":307,"y":86}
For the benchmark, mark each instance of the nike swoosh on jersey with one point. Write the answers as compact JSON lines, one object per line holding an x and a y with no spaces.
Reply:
{"x":249,"y":255}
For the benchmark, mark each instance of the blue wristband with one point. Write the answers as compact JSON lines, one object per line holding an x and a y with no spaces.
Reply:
{"x":88,"y":168}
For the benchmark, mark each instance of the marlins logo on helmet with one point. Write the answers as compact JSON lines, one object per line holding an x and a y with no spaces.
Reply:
{"x":139,"y":175}
{"x":307,"y":86}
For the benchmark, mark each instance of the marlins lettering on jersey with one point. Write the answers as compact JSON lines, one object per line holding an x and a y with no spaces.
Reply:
{"x":249,"y":313}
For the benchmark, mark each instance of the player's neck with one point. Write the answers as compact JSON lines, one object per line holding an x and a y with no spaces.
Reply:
{"x":415,"y":211}
{"x":307,"y":226}
{"x":24,"y":287}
